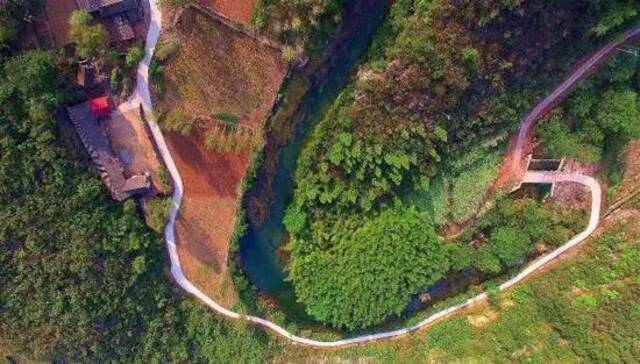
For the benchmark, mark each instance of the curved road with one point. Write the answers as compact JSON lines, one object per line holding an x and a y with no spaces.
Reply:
{"x":559,"y":92}
{"x":142,"y":96}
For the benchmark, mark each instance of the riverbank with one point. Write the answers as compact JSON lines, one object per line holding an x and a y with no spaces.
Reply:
{"x":189,"y":287}
{"x":307,"y":95}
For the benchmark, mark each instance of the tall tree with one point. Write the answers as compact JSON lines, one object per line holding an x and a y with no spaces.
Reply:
{"x":91,"y":40}
{"x":373,"y":272}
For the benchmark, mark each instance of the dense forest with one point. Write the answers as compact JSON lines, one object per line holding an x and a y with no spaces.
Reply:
{"x":423,"y":124}
{"x":408,"y":147}
{"x":600,"y":117}
{"x":83,"y":278}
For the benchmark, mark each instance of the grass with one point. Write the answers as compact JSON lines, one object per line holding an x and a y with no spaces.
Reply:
{"x":469,"y":186}
{"x":584,"y":310}
{"x":220,"y":139}
{"x":227,"y":117}
{"x":456,"y":192}
{"x":435,"y":201}
{"x":158,"y":213}
{"x":165,"y":179}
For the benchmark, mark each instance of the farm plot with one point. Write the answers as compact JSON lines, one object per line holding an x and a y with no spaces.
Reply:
{"x":217,"y":70}
{"x":240,"y":11}
{"x":219,"y":85}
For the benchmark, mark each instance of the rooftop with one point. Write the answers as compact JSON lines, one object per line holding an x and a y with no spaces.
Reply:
{"x":97,"y":144}
{"x":122,"y":30}
{"x":95,"y":5}
{"x":57,"y":14}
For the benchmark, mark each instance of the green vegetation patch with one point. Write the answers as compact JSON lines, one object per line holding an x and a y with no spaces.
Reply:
{"x":584,"y":310}
{"x":83,"y":278}
{"x":373,"y":272}
{"x":300,"y":25}
{"x":460,"y":186}
{"x":598,"y":119}
{"x":423,"y":124}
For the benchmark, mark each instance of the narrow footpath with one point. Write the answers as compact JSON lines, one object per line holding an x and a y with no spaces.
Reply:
{"x":142,"y":96}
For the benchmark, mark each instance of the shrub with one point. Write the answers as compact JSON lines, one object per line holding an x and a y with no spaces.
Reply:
{"x":165,"y":179}
{"x":165,"y":49}
{"x":158,"y":213}
{"x":157,"y":78}
{"x":91,"y":40}
{"x":295,"y":219}
{"x":115,"y":80}
{"x":135,"y":54}
{"x":219,"y":139}
{"x":559,"y":142}
{"x":619,"y":113}
{"x":493,"y":291}
{"x":230,"y":119}
{"x":180,"y":122}
{"x":509,"y":245}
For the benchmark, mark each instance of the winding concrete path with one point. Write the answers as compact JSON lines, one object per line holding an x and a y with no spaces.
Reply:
{"x":142,"y":96}
{"x":559,"y":92}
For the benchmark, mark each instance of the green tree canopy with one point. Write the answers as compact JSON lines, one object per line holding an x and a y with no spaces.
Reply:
{"x":560,"y":141}
{"x":91,"y":40}
{"x":509,"y":245}
{"x":372,"y":273}
{"x":613,"y":14}
{"x":619,"y":113}
{"x":82,"y":277}
{"x":13,"y":16}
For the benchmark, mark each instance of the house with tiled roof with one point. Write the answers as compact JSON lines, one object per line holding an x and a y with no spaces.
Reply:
{"x":131,"y":9}
{"x":85,"y":118}
{"x":119,"y":16}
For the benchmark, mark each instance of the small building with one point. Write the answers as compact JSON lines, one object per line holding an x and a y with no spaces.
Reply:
{"x":86,"y":75}
{"x":56,"y":15}
{"x":137,"y":185}
{"x":131,"y":9}
{"x":100,"y":107}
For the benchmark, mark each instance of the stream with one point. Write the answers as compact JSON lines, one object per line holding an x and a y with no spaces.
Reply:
{"x":259,"y":247}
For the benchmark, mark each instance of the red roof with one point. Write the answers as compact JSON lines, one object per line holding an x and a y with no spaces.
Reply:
{"x":100,"y":107}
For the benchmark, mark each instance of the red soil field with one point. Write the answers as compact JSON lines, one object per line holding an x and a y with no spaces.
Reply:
{"x":208,"y":212}
{"x":240,"y":11}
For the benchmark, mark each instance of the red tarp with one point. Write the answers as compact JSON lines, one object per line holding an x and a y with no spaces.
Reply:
{"x":100,"y":107}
